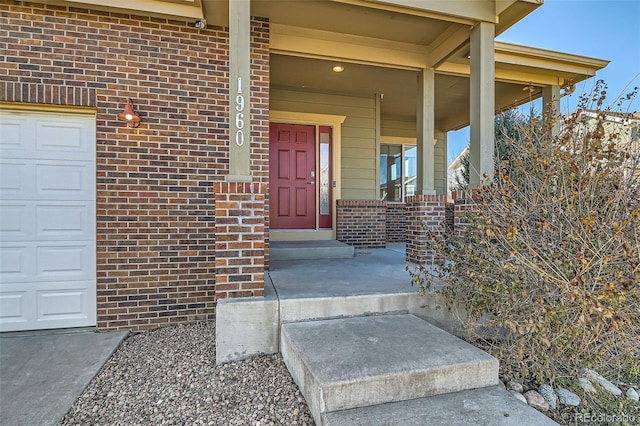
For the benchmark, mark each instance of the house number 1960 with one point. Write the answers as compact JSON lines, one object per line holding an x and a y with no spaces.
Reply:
{"x":239,"y":117}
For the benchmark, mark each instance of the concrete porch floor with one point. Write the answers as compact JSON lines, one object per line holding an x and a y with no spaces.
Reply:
{"x":369,"y":272}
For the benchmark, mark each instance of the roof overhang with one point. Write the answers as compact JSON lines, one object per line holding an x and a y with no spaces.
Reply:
{"x":185,"y":10}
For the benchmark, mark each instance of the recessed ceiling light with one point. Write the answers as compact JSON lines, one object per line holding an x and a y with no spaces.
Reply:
{"x":338,"y":68}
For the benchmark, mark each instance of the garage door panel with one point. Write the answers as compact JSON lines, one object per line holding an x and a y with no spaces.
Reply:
{"x":47,"y":221}
{"x":62,"y":304}
{"x":70,"y":261}
{"x":14,"y":307}
{"x":47,"y":180}
{"x":64,"y":181}
{"x":64,"y":221}
{"x":16,"y":263}
{"x":18,"y":137}
{"x":17,"y":221}
{"x":16,"y":179}
{"x":68,"y":139}
{"x":28,"y":136}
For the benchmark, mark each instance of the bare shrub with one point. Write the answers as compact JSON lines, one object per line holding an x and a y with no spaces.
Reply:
{"x":548,"y":268}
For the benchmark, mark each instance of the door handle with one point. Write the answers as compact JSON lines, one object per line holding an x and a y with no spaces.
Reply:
{"x":311,"y":182}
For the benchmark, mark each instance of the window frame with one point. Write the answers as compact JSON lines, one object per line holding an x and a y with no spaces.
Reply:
{"x":403,"y":148}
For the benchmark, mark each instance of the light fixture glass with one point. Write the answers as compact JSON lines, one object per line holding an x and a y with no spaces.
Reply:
{"x":338,"y":68}
{"x":128,"y":115}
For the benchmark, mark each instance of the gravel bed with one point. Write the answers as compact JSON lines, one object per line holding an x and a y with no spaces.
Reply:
{"x":169,"y":376}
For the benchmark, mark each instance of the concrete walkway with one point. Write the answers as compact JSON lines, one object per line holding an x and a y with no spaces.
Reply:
{"x":43,"y":373}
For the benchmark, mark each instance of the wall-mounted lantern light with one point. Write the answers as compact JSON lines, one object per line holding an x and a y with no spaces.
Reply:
{"x":128,"y":115}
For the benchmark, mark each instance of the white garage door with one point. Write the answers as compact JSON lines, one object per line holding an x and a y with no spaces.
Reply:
{"x":47,"y":221}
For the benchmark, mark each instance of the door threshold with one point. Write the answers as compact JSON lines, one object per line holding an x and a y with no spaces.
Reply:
{"x":301,"y":234}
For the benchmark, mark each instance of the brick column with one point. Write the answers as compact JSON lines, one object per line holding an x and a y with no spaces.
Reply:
{"x":425,"y":216}
{"x":463,"y":204}
{"x":362,"y":223}
{"x":240,"y":239}
{"x":449,"y":216}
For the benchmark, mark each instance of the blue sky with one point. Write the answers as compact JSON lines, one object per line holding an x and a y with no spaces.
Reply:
{"x":603,"y":29}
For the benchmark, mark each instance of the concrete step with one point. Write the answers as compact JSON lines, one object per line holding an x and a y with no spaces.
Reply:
{"x":490,"y":406}
{"x":309,"y":250}
{"x":345,"y":363}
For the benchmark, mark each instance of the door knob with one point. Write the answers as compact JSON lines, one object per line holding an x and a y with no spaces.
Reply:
{"x":311,"y":182}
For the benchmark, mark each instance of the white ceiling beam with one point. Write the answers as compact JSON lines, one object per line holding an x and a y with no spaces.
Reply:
{"x":460,"y":11}
{"x":504,"y":76}
{"x":448,"y":43}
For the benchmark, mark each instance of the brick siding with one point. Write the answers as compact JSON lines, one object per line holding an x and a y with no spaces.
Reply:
{"x":362,"y":223}
{"x":396,"y":223}
{"x":155,"y":210}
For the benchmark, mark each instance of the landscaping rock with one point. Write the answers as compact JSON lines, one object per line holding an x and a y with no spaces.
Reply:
{"x":536,"y":400}
{"x":549,"y":395}
{"x":607,"y":385}
{"x":512,"y":385}
{"x":586,"y":385}
{"x":519,"y":396}
{"x":169,"y":376}
{"x":566,"y":397}
{"x":632,"y":394}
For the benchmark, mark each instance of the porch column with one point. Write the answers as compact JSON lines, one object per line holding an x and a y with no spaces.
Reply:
{"x":482,"y":105}
{"x":240,"y":205}
{"x":551,"y":108}
{"x":426,"y":133}
{"x":425,"y":209}
{"x":239,"y":94}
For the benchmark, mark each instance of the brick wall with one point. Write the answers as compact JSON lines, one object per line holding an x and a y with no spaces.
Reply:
{"x":362,"y":223}
{"x":396,"y":223}
{"x":155,"y":211}
{"x":425,"y":217}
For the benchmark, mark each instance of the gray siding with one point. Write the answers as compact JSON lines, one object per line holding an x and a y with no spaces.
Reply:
{"x":398,"y":127}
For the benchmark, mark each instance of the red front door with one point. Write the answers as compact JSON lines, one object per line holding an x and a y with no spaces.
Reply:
{"x":292,"y":177}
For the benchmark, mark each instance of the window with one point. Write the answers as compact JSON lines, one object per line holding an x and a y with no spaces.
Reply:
{"x":398,"y":169}
{"x":634,"y":134}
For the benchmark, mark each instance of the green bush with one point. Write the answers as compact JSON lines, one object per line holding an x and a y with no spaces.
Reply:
{"x":548,"y":267}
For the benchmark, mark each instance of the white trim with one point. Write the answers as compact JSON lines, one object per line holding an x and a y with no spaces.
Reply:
{"x":398,"y":140}
{"x":21,"y":107}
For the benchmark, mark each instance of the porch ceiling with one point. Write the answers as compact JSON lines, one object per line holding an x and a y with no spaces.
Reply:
{"x":337,"y":17}
{"x":383,"y":49}
{"x":398,"y":86}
